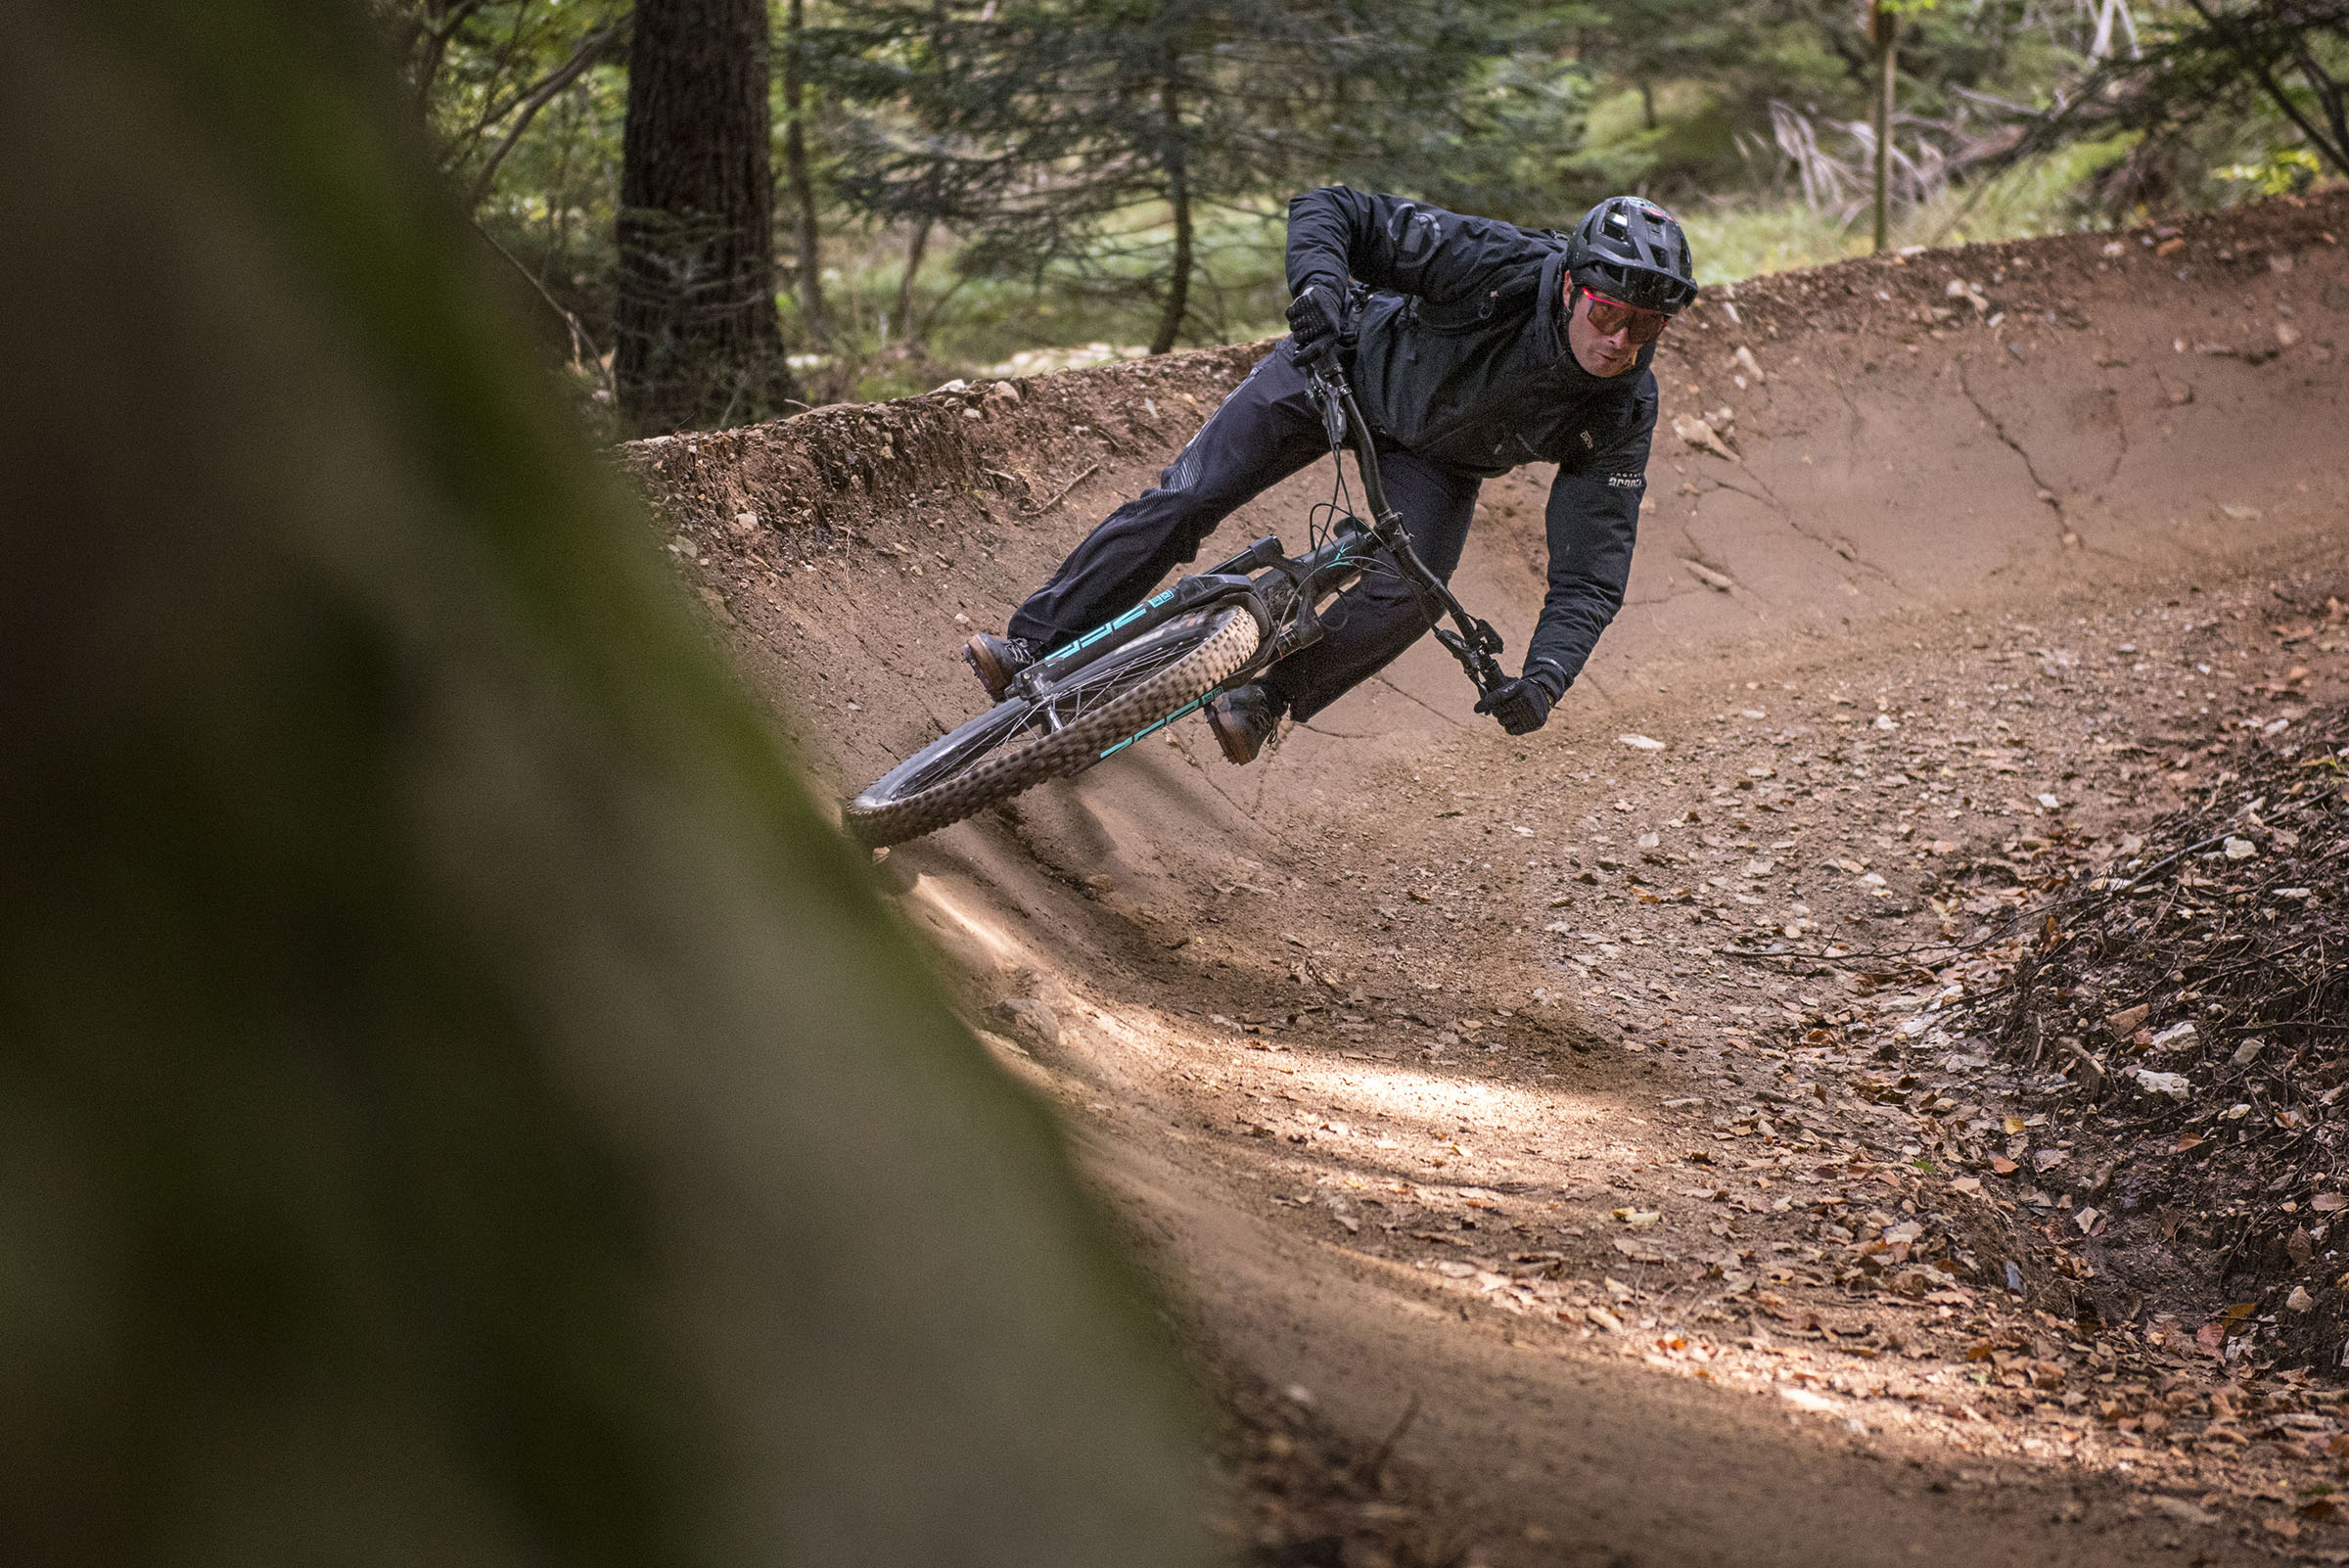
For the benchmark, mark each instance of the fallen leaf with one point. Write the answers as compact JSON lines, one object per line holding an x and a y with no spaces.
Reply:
{"x":2002,"y":1166}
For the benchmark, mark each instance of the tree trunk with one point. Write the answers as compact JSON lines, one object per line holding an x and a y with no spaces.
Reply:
{"x":1178,"y":194}
{"x":1647,"y":102}
{"x":810,"y":285}
{"x":1883,"y":26}
{"x":699,"y":342}
{"x":916,"y":247}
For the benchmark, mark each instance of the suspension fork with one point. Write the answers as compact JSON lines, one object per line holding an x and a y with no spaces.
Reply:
{"x":1475,"y":644}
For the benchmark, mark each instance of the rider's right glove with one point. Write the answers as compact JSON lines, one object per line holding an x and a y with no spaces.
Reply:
{"x":1316,"y":321}
{"x":1522,"y":706}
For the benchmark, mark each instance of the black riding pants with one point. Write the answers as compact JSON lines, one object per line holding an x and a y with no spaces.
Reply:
{"x":1266,"y":431}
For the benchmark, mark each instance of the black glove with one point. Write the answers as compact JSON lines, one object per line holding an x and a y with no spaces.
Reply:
{"x":1522,"y":706}
{"x":1316,"y":321}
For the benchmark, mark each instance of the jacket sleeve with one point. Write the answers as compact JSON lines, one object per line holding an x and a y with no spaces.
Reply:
{"x":1593,"y":523}
{"x":1386,"y":241}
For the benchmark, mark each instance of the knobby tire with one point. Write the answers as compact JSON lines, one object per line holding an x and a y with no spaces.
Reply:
{"x":1002,"y":753}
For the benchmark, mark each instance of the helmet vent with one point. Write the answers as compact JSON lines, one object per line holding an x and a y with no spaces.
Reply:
{"x":1631,"y":249}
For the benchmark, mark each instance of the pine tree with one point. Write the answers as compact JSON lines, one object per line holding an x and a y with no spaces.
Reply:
{"x":1038,"y":130}
{"x":698,"y":341}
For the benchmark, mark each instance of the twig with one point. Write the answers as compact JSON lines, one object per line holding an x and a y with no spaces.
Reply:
{"x":1377,"y":1470}
{"x":578,"y":334}
{"x":1062,"y":495}
{"x":540,"y":96}
{"x":2095,"y":1069}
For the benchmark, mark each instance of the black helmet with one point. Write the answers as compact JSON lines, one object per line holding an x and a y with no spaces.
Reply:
{"x":1634,"y":251}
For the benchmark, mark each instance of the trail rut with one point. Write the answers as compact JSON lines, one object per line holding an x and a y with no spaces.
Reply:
{"x":1431,"y":1064}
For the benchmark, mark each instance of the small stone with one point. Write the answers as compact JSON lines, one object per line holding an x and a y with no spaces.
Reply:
{"x":1031,"y":1020}
{"x":2299,"y":1300}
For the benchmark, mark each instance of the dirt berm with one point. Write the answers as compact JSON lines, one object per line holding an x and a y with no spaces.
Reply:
{"x":1416,"y":1083}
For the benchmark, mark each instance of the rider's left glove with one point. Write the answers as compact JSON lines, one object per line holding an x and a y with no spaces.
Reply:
{"x":1522,"y":706}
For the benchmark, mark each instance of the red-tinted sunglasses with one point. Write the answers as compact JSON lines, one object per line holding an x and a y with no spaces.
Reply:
{"x":1611,"y":316}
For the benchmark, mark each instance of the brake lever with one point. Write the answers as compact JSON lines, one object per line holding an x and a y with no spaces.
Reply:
{"x":1333,"y":411}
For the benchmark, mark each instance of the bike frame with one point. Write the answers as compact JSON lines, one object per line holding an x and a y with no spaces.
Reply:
{"x":1474,"y":644}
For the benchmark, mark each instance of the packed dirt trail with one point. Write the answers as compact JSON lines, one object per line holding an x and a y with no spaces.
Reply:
{"x":1580,"y":1106}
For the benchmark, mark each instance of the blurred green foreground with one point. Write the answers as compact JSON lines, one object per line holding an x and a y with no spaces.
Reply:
{"x":457,"y":1103}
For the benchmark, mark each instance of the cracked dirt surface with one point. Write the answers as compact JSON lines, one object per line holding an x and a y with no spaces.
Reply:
{"x":1433,"y":1066}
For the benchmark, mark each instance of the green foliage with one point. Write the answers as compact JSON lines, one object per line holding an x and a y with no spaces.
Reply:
{"x":1028,"y":146}
{"x":481,"y":71}
{"x":1740,"y":238}
{"x":1033,"y":128}
{"x":2284,"y":170}
{"x":2221,"y":63}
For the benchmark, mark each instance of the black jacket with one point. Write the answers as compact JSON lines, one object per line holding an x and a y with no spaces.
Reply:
{"x":1460,"y":356}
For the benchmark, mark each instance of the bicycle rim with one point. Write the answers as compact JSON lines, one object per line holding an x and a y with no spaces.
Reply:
{"x":1019,"y":744}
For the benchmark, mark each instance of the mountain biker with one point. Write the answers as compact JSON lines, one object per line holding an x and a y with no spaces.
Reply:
{"x":1473,"y":345}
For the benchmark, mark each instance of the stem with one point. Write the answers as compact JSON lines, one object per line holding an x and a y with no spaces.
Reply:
{"x":915,"y":246}
{"x":581,"y":340}
{"x":1884,"y":24}
{"x":1179,"y":193}
{"x":2227,"y":32}
{"x":2328,"y":94}
{"x":588,"y":52}
{"x":795,"y":172}
{"x":436,"y":47}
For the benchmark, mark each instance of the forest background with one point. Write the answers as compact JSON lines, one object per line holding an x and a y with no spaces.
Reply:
{"x":964,"y":187}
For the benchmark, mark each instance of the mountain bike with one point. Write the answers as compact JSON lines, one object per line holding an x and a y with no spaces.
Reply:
{"x":1098,"y":694}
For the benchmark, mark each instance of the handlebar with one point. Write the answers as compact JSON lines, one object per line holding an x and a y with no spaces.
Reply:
{"x":1475,"y":644}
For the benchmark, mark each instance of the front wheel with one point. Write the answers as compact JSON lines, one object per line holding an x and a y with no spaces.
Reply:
{"x":1020,"y":743}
